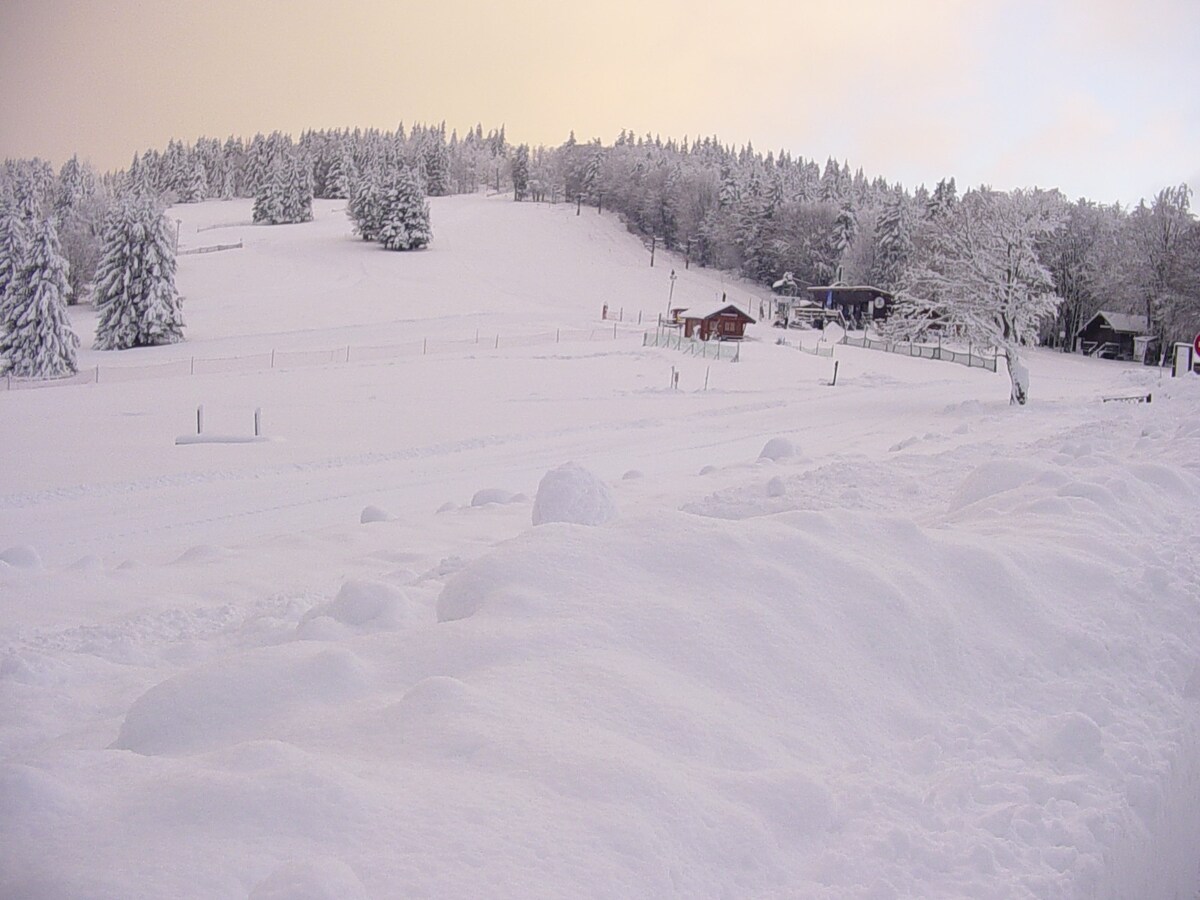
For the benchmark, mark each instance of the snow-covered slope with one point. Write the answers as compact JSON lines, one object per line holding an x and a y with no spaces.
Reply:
{"x":942,"y":648}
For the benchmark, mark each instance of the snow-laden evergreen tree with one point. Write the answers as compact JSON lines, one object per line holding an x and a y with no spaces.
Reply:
{"x":135,"y":293}
{"x":285,"y":194}
{"x":520,"y":172}
{"x":845,"y":231}
{"x":893,"y":241}
{"x":298,"y":195}
{"x":13,"y":247}
{"x":982,"y":279}
{"x":365,"y":207}
{"x":405,"y":214}
{"x":38,"y":341}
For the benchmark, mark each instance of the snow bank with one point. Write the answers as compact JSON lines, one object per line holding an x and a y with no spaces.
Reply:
{"x":238,"y":699}
{"x":359,"y":604}
{"x":572,"y":494}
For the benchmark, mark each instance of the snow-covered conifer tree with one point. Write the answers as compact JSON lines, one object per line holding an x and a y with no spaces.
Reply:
{"x":38,"y":341}
{"x":405,"y":220}
{"x":520,"y":172}
{"x":893,"y":241}
{"x":365,"y":208}
{"x":13,"y":246}
{"x":135,"y":291}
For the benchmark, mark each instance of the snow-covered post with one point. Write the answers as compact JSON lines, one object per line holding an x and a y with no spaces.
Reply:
{"x":1019,"y":376}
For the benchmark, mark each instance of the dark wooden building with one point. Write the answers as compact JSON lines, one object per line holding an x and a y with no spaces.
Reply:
{"x":1112,"y":335}
{"x":859,"y":304}
{"x":724,"y":322}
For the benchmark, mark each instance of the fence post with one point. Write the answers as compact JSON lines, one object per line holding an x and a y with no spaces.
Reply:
{"x":97,"y":374}
{"x":425,"y":345}
{"x":614,"y":331}
{"x":557,"y":335}
{"x":497,"y":342}
{"x":477,"y":335}
{"x":347,"y":353}
{"x":257,"y":421}
{"x":272,"y":357}
{"x":200,"y":419}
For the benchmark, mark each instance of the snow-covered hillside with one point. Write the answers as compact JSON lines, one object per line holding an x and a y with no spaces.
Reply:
{"x":928,"y":645}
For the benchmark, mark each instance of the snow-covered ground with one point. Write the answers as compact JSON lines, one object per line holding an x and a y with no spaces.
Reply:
{"x":926,"y":646}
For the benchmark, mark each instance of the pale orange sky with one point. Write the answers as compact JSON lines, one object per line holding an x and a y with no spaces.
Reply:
{"x":1091,"y":97}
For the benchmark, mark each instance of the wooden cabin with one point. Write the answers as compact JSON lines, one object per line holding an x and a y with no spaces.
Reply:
{"x":859,"y":304}
{"x":1112,"y":335}
{"x":723,"y":322}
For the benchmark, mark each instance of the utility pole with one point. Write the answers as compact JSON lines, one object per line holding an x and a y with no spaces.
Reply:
{"x":671,"y":293}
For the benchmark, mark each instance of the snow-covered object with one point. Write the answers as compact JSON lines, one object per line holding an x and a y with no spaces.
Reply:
{"x":373,"y":514}
{"x":135,"y":292}
{"x":361,"y":603}
{"x":486,"y":496}
{"x":776,"y":487}
{"x":21,"y":556}
{"x":404,"y":223}
{"x":632,"y":475}
{"x":778,"y":448}
{"x":38,"y":341}
{"x":1019,"y":375}
{"x":239,"y":698}
{"x":572,"y":494}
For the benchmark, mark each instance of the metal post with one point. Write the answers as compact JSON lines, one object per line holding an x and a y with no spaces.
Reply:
{"x":200,"y":419}
{"x":653,"y":244}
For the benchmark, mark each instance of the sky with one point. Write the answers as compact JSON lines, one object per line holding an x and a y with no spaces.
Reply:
{"x":1093,"y":97}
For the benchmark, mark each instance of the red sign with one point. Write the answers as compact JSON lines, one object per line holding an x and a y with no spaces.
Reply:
{"x":1196,"y":345}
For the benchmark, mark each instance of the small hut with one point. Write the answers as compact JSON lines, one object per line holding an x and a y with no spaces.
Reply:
{"x":1111,"y":335}
{"x":724,"y":322}
{"x":859,"y":304}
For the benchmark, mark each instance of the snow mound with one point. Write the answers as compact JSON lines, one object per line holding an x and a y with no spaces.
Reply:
{"x":999,"y":477}
{"x":237,"y":699}
{"x":202,"y":553}
{"x":359,"y":604}
{"x":776,"y":487}
{"x":374,"y":514}
{"x":707,"y":470}
{"x":311,"y":879}
{"x":448,"y":506}
{"x":778,"y":448}
{"x":574,"y":495}
{"x":495,"y":495}
{"x":632,"y":474}
{"x":21,"y":557}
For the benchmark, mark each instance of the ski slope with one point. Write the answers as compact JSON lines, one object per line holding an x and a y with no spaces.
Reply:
{"x":941,"y":648}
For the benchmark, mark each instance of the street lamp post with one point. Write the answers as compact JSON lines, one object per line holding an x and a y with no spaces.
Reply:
{"x":671,"y":293}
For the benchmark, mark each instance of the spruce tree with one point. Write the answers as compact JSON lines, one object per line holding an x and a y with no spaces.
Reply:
{"x":520,"y":172}
{"x":135,"y":291}
{"x":13,"y":246}
{"x":405,"y":215}
{"x":39,"y":342}
{"x":365,"y":208}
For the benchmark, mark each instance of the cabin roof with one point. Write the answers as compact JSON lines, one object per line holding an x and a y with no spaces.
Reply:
{"x":1124,"y":323}
{"x":711,"y":310}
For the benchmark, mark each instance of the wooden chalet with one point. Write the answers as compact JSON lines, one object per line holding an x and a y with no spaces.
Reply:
{"x":723,"y":322}
{"x":858,"y":304}
{"x":1112,"y":335}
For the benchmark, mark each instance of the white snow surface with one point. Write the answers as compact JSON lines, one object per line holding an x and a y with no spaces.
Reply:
{"x":949,"y":650}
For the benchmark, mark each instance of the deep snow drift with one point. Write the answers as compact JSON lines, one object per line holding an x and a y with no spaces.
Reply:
{"x":772,"y":639}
